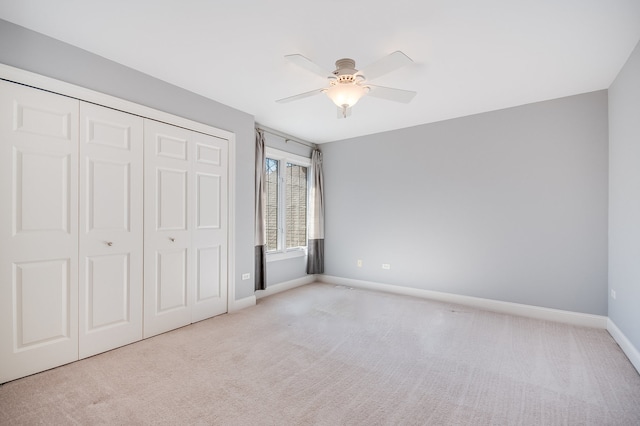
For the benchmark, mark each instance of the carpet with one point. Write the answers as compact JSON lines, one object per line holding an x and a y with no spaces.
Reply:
{"x":331,"y":355}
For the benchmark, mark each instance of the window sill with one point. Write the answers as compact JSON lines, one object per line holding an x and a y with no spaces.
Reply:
{"x":283,"y":255}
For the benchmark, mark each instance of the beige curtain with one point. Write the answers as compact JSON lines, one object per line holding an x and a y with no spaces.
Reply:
{"x":315,"y":245}
{"x":260,"y":270}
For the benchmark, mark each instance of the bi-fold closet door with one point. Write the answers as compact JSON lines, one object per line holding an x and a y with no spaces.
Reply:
{"x":74,"y":214}
{"x":71,"y":228}
{"x":185,"y":245}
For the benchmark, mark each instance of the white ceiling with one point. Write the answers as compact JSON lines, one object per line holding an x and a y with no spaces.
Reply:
{"x":470,"y":56}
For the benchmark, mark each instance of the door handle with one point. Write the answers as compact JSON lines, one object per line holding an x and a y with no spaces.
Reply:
{"x":109,"y":243}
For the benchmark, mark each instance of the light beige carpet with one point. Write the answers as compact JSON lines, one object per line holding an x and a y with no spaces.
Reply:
{"x":330,"y":355}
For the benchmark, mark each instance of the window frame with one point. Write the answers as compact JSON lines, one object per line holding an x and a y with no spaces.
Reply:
{"x":283,"y":158}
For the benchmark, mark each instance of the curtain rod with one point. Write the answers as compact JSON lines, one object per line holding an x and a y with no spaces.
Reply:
{"x":286,"y":137}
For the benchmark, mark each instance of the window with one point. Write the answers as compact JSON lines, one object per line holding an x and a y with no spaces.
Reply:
{"x":286,"y":184}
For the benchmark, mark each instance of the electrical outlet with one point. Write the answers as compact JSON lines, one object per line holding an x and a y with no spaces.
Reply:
{"x":246,"y":276}
{"x":386,"y":266}
{"x":359,"y":263}
{"x":613,"y":294}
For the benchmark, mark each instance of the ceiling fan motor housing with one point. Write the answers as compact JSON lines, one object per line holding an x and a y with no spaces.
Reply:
{"x":345,"y":67}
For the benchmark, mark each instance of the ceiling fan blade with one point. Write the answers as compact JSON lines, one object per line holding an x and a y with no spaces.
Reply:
{"x":300,"y":96}
{"x":309,"y":65}
{"x":390,"y":94}
{"x":385,"y":65}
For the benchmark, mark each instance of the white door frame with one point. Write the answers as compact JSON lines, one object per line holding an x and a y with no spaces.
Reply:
{"x":20,"y":76}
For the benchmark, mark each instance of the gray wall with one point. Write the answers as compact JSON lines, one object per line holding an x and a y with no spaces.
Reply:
{"x":31,"y":51}
{"x":624,"y":199}
{"x":508,"y":205}
{"x":280,"y":271}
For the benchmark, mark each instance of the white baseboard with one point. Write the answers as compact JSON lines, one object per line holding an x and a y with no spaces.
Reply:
{"x":627,"y":347}
{"x":239,"y":304}
{"x":287,"y":285}
{"x":568,"y":317}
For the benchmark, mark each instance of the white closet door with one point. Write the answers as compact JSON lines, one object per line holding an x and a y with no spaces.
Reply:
{"x":167,"y":224}
{"x":111,"y":180}
{"x":209,"y":233}
{"x":38,"y":230}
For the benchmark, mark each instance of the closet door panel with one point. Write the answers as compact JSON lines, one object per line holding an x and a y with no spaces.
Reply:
{"x":208,"y":270}
{"x":42,"y":290}
{"x":167,"y":242}
{"x":41,"y":178}
{"x":172,"y":285}
{"x":171,"y":208}
{"x":210,"y":226}
{"x":111,"y":229}
{"x":108,"y":289}
{"x":38,"y":232}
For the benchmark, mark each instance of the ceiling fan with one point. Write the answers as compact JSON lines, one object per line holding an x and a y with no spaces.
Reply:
{"x":347,"y":84}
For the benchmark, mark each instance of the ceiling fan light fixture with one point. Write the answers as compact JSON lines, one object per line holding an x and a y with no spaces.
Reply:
{"x":346,"y":94}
